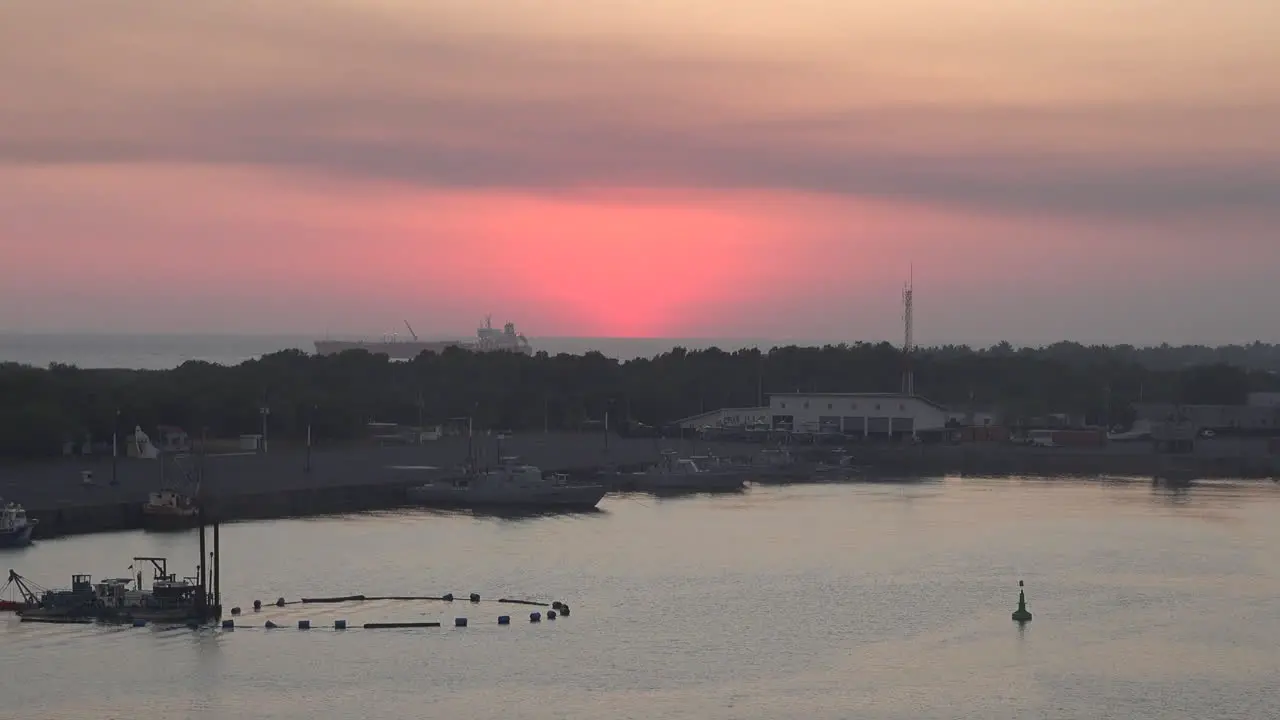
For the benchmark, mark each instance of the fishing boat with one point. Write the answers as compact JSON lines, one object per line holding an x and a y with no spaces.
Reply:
{"x":169,"y":510}
{"x":15,"y":526}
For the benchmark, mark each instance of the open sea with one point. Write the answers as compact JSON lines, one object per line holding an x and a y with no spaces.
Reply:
{"x":160,"y":352}
{"x":869,"y":601}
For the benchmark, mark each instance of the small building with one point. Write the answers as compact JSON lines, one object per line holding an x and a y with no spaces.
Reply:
{"x":172,"y":438}
{"x":890,"y":415}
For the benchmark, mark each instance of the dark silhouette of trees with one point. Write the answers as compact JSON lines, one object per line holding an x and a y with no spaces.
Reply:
{"x":41,"y":409}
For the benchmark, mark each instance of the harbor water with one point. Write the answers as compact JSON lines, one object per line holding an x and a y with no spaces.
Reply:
{"x":819,"y":601}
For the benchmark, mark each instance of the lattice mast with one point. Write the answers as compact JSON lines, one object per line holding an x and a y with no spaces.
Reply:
{"x":908,"y":341}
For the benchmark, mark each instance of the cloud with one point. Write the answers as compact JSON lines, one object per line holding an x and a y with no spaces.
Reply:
{"x":437,"y":97}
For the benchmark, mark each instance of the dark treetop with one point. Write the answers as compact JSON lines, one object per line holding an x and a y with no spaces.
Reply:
{"x":40,"y":409}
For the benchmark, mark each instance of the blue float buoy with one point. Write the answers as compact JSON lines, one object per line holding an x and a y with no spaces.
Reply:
{"x":557,"y":605}
{"x":448,"y":597}
{"x":228,"y":624}
{"x":459,"y":622}
{"x":139,"y":623}
{"x":279,"y":602}
{"x":257,"y":605}
{"x":564,"y":610}
{"x":270,"y":625}
{"x":304,"y":624}
{"x":475,"y":597}
{"x":535,"y":617}
{"x":504,"y":619}
{"x":551,"y":614}
{"x":339,"y":624}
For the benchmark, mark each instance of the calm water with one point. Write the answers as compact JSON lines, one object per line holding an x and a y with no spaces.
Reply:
{"x":802,"y":602}
{"x":160,"y":352}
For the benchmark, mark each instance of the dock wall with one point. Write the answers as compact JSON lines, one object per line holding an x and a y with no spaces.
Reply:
{"x":284,"y":484}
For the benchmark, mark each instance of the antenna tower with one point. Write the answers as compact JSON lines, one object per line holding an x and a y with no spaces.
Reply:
{"x":908,"y":342}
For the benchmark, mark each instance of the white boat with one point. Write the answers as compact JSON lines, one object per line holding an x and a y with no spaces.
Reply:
{"x":15,"y":527}
{"x":488,"y":339}
{"x":676,"y":474}
{"x":510,"y":485}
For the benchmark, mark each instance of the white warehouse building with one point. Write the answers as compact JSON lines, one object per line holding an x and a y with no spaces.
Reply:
{"x":868,"y":414}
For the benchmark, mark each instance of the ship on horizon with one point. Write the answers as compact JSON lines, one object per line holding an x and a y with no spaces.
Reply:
{"x":488,"y":339}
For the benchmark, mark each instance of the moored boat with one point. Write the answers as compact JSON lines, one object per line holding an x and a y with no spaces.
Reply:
{"x":169,"y":510}
{"x":677,"y":474}
{"x":15,"y":527}
{"x":510,"y":485}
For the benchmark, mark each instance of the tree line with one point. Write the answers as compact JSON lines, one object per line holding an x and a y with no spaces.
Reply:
{"x":41,"y":409}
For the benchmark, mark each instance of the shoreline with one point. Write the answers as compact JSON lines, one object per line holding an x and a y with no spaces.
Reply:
{"x":281,"y":484}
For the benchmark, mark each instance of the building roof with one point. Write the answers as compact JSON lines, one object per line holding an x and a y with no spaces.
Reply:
{"x":721,"y":411}
{"x":868,"y":396}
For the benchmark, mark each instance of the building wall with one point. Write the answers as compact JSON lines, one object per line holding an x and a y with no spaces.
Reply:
{"x":975,"y":419}
{"x":872,"y":414}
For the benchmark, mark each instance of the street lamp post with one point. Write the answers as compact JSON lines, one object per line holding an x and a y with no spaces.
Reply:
{"x":310,"y":412}
{"x":264,"y":411}
{"x":115,"y":447}
{"x":607,"y":407}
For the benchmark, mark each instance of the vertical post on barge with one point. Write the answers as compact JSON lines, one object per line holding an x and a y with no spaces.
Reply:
{"x":217,"y":569}
{"x":202,"y":595}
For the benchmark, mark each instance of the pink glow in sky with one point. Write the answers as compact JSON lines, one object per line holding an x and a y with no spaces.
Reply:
{"x":1090,"y":170}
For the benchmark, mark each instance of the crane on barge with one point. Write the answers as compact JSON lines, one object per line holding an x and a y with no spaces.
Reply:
{"x":27,"y":590}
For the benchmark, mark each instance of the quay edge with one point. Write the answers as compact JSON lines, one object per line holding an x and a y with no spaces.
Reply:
{"x":279,"y":485}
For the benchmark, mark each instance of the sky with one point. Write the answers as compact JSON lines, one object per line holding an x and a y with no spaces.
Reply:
{"x":1094,"y":170}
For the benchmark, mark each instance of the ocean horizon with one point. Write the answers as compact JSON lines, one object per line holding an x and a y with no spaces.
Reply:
{"x":162,"y":351}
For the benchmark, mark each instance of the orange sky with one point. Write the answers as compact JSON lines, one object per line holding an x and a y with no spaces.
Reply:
{"x":1093,"y":170}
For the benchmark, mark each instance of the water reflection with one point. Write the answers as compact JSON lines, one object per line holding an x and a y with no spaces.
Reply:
{"x":880,"y":601}
{"x":514,"y":514}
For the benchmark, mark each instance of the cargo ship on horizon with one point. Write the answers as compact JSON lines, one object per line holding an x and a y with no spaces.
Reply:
{"x":488,"y":339}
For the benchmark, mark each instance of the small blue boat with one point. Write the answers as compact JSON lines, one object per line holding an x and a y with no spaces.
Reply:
{"x":15,"y":527}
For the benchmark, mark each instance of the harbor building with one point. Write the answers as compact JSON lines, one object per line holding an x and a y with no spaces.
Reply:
{"x":891,"y":415}
{"x":869,"y":415}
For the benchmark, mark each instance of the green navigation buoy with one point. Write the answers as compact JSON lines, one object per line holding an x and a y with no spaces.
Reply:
{"x":1022,"y":614}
